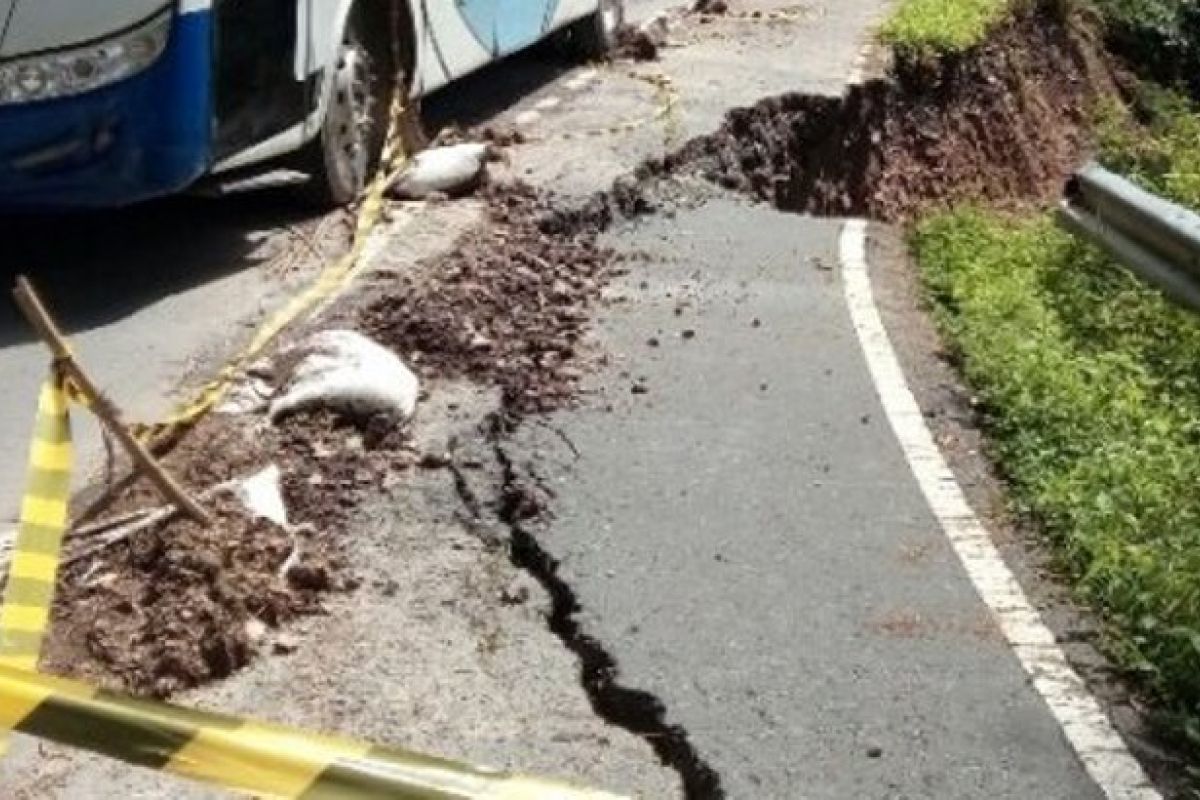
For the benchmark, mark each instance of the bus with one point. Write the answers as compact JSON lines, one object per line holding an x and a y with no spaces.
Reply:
{"x":105,"y":103}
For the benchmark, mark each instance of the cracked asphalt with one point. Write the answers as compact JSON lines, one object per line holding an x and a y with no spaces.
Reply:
{"x":745,"y":538}
{"x":732,"y":520}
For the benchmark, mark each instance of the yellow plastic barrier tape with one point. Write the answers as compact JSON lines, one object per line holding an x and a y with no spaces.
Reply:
{"x":30,"y":590}
{"x":668,"y":102}
{"x":266,"y":760}
{"x":332,"y":279}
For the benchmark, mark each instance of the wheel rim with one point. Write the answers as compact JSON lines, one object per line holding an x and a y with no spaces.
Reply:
{"x":350,"y":117}
{"x":612,"y":16}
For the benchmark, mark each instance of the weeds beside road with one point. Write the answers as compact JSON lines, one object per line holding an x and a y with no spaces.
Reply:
{"x":1086,"y":379}
{"x":933,"y":27}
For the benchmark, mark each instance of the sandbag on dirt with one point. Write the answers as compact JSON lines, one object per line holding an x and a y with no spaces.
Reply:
{"x":346,"y":372}
{"x":454,"y":170}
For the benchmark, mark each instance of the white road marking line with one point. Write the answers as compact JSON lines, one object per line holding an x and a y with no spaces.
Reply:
{"x":582,"y":80}
{"x":1091,"y":734}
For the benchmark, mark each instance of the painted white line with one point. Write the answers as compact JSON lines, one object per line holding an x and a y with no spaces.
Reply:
{"x":1091,"y":734}
{"x":582,"y":80}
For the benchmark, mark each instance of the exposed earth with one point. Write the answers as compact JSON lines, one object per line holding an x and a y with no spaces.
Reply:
{"x":650,"y":529}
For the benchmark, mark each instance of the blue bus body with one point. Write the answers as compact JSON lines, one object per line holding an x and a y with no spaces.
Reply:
{"x":188,"y":113}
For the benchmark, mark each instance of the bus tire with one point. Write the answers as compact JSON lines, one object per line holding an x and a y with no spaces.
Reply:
{"x":346,"y":152}
{"x":595,"y":36}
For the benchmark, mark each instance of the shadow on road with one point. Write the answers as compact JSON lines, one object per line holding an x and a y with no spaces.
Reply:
{"x":96,"y":268}
{"x":481,"y":96}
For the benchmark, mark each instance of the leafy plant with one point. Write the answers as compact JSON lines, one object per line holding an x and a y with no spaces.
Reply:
{"x":933,"y":27}
{"x":1161,"y":150}
{"x":1092,"y":397}
{"x":1161,"y":38}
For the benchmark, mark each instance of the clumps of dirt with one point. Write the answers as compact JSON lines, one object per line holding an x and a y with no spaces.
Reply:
{"x":177,"y":604}
{"x":710,"y":7}
{"x":510,"y":306}
{"x":1007,"y":120}
{"x":635,"y":43}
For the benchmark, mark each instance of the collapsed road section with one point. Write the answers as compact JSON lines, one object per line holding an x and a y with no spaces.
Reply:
{"x":645,"y":432}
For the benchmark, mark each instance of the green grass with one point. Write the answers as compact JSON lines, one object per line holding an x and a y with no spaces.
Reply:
{"x":1163,"y":152}
{"x":1159,"y":38}
{"x":933,"y":27}
{"x":1090,"y":383}
{"x":1091,"y":389}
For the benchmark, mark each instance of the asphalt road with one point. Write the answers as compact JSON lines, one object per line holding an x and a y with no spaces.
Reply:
{"x":744,"y":535}
{"x":156,"y":297}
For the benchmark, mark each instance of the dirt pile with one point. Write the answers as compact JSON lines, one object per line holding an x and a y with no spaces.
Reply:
{"x":176,"y":604}
{"x":635,"y":43}
{"x":172,"y":610}
{"x":1005,"y":121}
{"x":510,"y":306}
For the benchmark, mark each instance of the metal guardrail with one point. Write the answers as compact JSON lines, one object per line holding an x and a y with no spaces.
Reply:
{"x":1155,"y":238}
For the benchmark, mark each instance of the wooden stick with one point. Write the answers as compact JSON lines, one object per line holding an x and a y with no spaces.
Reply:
{"x":31,"y":306}
{"x":125,"y":526}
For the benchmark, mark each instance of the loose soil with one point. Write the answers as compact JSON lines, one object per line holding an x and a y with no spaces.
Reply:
{"x":511,"y":305}
{"x":1007,"y":120}
{"x":177,"y":605}
{"x":510,"y":308}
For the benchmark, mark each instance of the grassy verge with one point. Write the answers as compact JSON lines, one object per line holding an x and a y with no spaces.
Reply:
{"x":933,"y":27}
{"x":1160,"y":38}
{"x":1091,"y":388}
{"x":1162,"y":150}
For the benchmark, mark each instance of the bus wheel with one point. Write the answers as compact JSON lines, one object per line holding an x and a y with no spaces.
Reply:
{"x":347,"y":150}
{"x":594,"y":36}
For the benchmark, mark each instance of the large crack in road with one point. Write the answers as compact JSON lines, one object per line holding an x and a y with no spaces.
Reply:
{"x":635,"y":710}
{"x":715,"y":516}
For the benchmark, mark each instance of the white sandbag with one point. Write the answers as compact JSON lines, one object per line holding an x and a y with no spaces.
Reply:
{"x":262,"y":495}
{"x":449,"y":170}
{"x":346,"y":372}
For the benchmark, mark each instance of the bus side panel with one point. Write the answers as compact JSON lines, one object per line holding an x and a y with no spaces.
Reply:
{"x":447,"y":48}
{"x":326,"y":27}
{"x":570,"y":10}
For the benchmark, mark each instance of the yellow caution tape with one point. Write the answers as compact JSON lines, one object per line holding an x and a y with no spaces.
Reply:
{"x":331,"y":280}
{"x":779,"y":15}
{"x":668,"y":101}
{"x":342,"y":271}
{"x":34,"y":567}
{"x":29,"y":592}
{"x":242,"y":755}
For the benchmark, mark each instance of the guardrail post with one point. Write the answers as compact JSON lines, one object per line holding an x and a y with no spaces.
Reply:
{"x":1157,"y":239}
